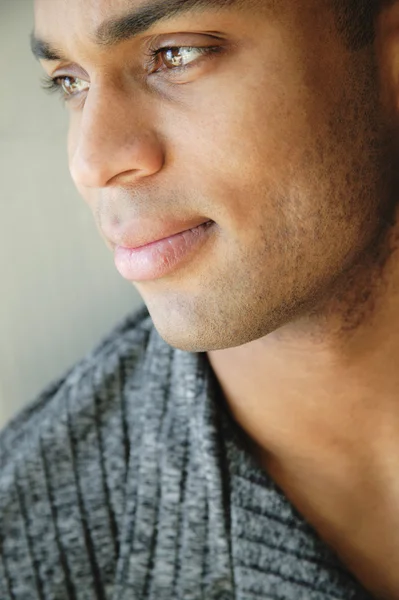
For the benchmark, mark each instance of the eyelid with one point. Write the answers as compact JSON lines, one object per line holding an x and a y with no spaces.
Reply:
{"x":183,"y":39}
{"x":69,"y":69}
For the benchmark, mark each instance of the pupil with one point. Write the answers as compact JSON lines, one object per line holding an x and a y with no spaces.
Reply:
{"x":174,"y":57}
{"x":67,"y":85}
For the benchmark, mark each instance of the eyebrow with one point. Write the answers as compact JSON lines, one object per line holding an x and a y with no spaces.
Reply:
{"x":120,"y":29}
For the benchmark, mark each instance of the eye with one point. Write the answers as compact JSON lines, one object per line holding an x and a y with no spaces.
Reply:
{"x":179,"y":58}
{"x":67,"y":86}
{"x":72,"y":85}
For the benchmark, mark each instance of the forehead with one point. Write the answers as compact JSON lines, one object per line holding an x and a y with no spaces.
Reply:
{"x":92,"y":9}
{"x":53,"y":16}
{"x":94,"y":12}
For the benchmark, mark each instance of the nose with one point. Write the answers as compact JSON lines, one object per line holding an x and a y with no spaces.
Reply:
{"x":111,"y":141}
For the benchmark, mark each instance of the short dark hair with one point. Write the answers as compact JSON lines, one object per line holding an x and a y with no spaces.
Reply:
{"x":356,"y":20}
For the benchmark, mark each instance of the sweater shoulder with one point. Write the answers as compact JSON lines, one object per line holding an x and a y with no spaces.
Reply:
{"x":113,"y":362}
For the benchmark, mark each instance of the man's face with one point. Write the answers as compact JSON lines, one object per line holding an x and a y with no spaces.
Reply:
{"x":260,"y":120}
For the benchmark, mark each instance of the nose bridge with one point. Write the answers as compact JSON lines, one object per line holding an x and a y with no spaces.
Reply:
{"x":114,"y":136}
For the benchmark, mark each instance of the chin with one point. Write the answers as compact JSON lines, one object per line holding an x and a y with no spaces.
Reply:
{"x":203,"y":333}
{"x":209,"y":321}
{"x":180,"y":336}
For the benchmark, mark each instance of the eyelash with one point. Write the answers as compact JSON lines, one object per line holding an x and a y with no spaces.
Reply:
{"x":54,"y":84}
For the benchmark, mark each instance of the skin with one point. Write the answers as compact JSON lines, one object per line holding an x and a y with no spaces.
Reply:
{"x":288,"y":140}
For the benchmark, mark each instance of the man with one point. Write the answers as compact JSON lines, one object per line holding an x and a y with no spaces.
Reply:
{"x":238,"y":437}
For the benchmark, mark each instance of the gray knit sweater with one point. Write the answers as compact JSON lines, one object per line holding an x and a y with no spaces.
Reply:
{"x":129,"y":480}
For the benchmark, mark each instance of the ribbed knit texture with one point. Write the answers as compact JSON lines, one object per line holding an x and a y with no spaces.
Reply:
{"x":127,"y":480}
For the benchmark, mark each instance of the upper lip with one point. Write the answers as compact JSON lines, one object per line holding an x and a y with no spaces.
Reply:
{"x":141,"y":232}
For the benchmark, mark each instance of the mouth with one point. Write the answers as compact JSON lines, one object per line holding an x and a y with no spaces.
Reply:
{"x":153,"y":260}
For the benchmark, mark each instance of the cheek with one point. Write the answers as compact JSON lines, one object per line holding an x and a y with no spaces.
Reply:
{"x":240,"y":148}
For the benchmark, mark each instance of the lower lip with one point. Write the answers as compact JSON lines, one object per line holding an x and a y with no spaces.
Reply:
{"x":156,"y":260}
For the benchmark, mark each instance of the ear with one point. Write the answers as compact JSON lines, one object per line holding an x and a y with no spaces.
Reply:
{"x":387,"y":46}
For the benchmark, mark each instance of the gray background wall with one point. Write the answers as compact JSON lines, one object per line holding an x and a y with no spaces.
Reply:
{"x":59,"y":291}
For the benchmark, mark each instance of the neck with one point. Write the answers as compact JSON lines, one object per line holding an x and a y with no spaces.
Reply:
{"x":328,"y":380}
